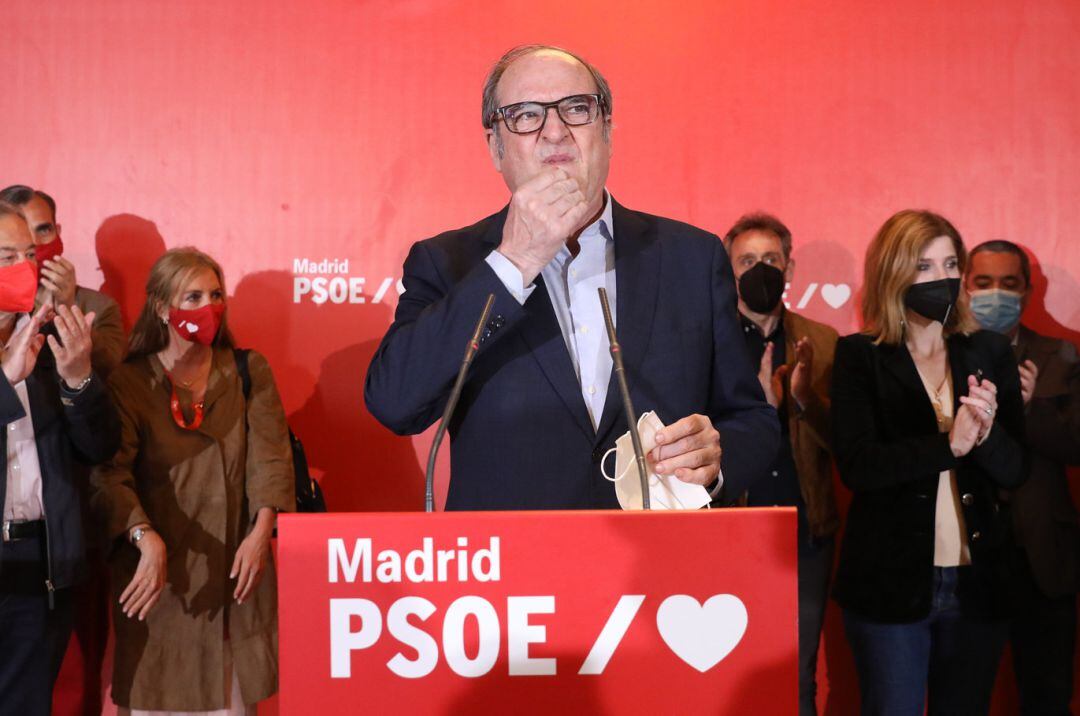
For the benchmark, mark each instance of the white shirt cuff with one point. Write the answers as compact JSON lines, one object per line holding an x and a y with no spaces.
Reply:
{"x":510,"y":276}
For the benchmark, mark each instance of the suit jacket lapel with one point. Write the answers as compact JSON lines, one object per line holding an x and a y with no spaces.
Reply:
{"x":637,"y":280}
{"x":42,"y":414}
{"x":540,"y":330}
{"x":960,"y":368}
{"x":1023,"y":345}
{"x":897,"y":359}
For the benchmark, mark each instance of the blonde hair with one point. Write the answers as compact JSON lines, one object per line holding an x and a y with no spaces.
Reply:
{"x":891,"y":266}
{"x":167,"y":277}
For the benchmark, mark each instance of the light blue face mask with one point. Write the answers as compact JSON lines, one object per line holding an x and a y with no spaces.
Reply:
{"x":996,"y":309}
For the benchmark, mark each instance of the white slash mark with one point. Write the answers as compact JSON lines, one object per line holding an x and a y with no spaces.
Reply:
{"x":385,"y":286}
{"x":807,"y":295}
{"x":612,"y":634}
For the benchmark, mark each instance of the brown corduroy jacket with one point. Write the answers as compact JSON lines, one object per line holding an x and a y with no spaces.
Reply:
{"x":1044,"y":515}
{"x":810,"y":429}
{"x":200,"y":490}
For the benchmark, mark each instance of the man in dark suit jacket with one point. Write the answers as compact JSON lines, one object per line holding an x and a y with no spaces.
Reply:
{"x":53,"y":409}
{"x":1047,"y":569}
{"x":58,"y":285}
{"x":541,"y":404}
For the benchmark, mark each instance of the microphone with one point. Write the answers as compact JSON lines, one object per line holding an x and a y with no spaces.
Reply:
{"x":451,"y":403}
{"x":628,"y":406}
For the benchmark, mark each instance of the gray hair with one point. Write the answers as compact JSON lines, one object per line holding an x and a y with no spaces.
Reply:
{"x":490,"y":104}
{"x":9,"y":209}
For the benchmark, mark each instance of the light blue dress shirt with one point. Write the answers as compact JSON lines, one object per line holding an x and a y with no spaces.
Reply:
{"x":572,"y":283}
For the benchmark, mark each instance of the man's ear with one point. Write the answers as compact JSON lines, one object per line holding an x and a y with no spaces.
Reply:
{"x":495,"y":148}
{"x":789,"y":270}
{"x":56,"y":227}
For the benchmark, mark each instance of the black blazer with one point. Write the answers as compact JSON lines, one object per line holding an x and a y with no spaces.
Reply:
{"x":521,"y":437}
{"x":83,"y":427}
{"x":1043,"y":512}
{"x":889,"y":453}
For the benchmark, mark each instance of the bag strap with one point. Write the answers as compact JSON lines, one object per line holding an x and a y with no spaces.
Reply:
{"x":241,"y":357}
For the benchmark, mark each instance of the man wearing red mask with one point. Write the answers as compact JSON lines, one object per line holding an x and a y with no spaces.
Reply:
{"x":57,"y":286}
{"x":57,"y":283}
{"x":54,"y":410}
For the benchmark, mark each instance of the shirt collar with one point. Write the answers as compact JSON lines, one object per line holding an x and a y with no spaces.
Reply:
{"x":603,"y":224}
{"x":749,"y":326}
{"x":601,"y":227}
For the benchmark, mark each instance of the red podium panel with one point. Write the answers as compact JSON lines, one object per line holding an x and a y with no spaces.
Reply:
{"x":532,"y":612}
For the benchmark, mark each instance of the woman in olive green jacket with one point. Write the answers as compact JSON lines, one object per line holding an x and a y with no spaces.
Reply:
{"x":189,"y":501}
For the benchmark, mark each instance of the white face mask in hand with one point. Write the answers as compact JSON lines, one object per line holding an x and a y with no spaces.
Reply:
{"x":666,"y":492}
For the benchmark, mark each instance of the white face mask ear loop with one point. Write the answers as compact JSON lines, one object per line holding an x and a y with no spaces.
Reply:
{"x":603,"y":471}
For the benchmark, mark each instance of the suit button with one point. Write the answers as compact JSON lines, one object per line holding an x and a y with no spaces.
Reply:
{"x":975,"y":535}
{"x":968,"y":499}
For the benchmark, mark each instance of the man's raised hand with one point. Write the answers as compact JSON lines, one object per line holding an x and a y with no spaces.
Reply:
{"x":544,"y":212}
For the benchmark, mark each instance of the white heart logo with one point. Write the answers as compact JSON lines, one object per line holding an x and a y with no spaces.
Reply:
{"x":191,"y":327}
{"x":836,"y":295}
{"x":702,"y":634}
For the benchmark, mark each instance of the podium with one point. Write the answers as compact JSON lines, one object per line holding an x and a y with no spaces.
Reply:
{"x":599,"y":612}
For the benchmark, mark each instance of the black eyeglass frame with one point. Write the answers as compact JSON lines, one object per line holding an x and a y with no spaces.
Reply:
{"x":500,"y":113}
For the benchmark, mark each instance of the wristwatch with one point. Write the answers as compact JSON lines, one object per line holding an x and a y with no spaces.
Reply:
{"x":138,"y":533}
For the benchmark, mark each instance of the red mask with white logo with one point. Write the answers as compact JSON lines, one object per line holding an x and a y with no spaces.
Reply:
{"x":51,"y":250}
{"x":199,"y":325}
{"x":18,"y":286}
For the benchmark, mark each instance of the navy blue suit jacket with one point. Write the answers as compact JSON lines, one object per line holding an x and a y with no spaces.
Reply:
{"x":521,"y":437}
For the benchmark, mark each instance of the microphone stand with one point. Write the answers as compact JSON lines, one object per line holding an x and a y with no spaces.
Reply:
{"x":628,"y":406}
{"x":451,"y":403}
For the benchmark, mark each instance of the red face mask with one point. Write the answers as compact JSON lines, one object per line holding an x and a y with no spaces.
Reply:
{"x":18,"y":286}
{"x":50,"y":250}
{"x":198,"y":324}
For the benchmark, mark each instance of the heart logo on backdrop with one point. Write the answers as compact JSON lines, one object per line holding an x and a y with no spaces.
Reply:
{"x":836,"y":295}
{"x":702,"y":634}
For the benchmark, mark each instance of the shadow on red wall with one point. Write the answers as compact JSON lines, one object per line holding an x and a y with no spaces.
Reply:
{"x":127,"y":246}
{"x":1036,"y":315}
{"x":360,"y":465}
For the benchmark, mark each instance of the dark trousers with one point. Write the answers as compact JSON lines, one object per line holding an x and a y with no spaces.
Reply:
{"x":91,"y":599}
{"x":33,"y":637}
{"x":815,"y":565}
{"x":1043,"y":634}
{"x":946,"y":662}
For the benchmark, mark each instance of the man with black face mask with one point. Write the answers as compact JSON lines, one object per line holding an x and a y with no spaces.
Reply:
{"x":1046,"y":565}
{"x":794,"y":356}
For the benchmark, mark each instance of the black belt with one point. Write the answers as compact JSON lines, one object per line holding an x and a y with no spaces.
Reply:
{"x":22,"y":530}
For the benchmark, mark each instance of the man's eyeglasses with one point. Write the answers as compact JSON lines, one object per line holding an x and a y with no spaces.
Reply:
{"x":529,"y":117}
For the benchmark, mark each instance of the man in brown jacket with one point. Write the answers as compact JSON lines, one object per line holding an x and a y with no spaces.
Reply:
{"x":1047,"y":565}
{"x":794,"y":356}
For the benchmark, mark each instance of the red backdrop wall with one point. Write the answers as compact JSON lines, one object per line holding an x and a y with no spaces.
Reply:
{"x":267,"y":133}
